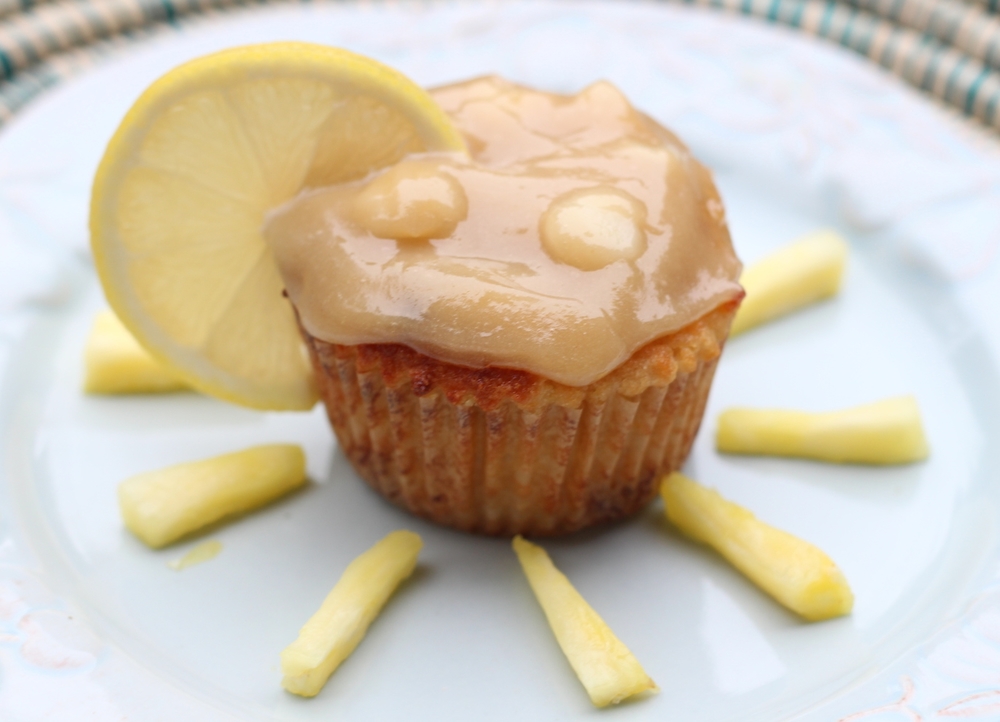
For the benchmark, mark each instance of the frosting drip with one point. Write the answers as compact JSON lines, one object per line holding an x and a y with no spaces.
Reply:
{"x":576,"y":231}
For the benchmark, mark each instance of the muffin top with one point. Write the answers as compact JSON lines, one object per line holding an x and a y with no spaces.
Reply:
{"x":576,"y":231}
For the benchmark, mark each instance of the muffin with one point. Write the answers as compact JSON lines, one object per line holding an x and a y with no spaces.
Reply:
{"x":520,"y":340}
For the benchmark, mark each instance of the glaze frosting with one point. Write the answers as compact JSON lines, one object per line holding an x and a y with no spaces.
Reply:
{"x":576,"y":231}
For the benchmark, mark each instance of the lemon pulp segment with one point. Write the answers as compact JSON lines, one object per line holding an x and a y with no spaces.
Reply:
{"x":182,"y":191}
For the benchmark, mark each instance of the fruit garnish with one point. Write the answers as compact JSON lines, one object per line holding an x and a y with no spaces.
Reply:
{"x":885,"y":432}
{"x":182,"y":191}
{"x":115,"y":363}
{"x":793,"y":571}
{"x":806,"y":271}
{"x":162,"y":506}
{"x":333,"y":632}
{"x":606,"y":668}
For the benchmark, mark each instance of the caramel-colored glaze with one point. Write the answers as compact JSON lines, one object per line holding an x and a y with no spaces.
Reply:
{"x":576,"y":231}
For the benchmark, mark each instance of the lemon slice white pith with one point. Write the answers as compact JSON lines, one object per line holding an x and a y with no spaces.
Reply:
{"x":181,"y":193}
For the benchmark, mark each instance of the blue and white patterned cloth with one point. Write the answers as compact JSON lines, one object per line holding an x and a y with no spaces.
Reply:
{"x":948,"y":48}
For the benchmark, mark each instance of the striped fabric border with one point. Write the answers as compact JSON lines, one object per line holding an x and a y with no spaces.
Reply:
{"x":9,"y":7}
{"x":29,"y":37}
{"x":25,"y":85}
{"x":908,"y":37}
{"x":992,"y":5}
{"x":951,"y":75}
{"x":969,"y":28}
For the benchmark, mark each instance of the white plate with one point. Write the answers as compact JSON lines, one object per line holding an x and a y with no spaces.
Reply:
{"x":95,"y":626}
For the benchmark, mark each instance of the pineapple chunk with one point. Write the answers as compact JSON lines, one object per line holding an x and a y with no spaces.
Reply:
{"x":804,"y":272}
{"x":605,"y":666}
{"x":333,"y":632}
{"x":885,"y":432}
{"x":794,"y":572}
{"x":115,"y":363}
{"x":162,"y":506}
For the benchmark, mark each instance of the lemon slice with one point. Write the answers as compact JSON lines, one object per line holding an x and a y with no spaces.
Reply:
{"x":181,"y":194}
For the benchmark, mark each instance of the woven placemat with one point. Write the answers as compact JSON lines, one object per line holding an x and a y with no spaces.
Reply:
{"x":947,"y":48}
{"x":920,"y":47}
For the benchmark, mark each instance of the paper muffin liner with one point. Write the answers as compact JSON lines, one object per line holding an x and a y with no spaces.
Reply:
{"x":500,"y":451}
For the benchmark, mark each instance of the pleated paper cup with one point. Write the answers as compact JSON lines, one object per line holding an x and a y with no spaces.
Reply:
{"x":501,"y":451}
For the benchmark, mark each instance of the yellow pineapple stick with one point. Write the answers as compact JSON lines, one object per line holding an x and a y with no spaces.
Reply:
{"x":804,"y":272}
{"x":333,"y":632}
{"x":885,"y":432}
{"x":605,"y":666}
{"x":162,"y":506}
{"x":794,"y":572}
{"x":115,"y":363}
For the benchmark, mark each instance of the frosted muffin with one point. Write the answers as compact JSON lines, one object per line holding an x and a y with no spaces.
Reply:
{"x":520,"y":340}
